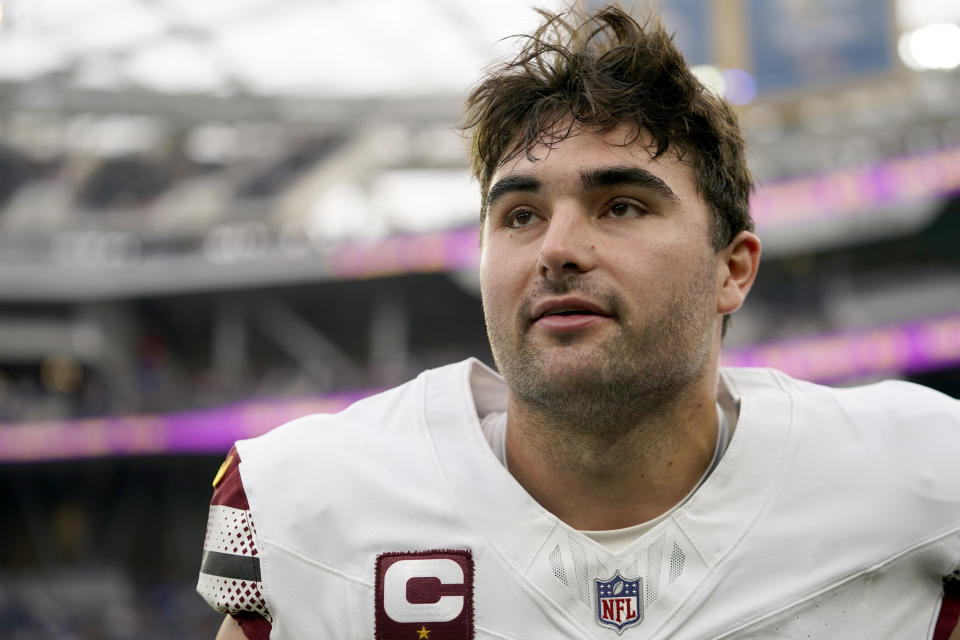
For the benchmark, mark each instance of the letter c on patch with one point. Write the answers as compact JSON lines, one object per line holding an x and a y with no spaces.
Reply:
{"x":395,"y":580}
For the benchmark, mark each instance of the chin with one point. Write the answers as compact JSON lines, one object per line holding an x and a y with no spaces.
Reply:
{"x":567,"y":367}
{"x":570,"y":361}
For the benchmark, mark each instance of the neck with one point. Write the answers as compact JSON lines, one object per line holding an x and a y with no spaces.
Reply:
{"x":598,"y":481}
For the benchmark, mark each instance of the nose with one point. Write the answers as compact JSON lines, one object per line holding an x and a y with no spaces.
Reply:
{"x":567,"y":246}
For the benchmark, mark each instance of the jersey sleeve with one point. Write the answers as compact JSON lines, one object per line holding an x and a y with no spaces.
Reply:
{"x":230,"y":578}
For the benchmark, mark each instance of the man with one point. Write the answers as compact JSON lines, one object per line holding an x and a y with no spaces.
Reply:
{"x":615,"y":481}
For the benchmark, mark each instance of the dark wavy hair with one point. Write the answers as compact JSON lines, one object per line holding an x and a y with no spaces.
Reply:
{"x":601,"y":71}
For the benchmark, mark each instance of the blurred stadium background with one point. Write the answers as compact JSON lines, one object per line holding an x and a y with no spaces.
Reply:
{"x":218,"y":215}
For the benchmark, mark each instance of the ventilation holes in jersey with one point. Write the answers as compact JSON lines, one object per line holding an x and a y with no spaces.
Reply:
{"x":601,"y":569}
{"x":677,"y":558}
{"x":633,"y":570}
{"x":556,"y":563}
{"x":654,"y":559}
{"x":580,"y":570}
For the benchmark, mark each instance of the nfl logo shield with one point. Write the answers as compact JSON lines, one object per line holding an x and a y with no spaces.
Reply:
{"x":619,"y":602}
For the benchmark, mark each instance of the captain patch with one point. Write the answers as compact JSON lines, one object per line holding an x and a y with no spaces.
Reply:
{"x":424,"y":595}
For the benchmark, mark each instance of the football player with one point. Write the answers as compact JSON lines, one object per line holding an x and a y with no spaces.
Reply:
{"x":615,"y":481}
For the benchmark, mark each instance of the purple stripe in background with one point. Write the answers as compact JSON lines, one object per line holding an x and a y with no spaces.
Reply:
{"x":922,"y":345}
{"x":422,"y":253}
{"x":206,"y":431}
{"x":857,"y":191}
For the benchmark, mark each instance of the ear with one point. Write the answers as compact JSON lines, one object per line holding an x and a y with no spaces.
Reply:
{"x":739,"y":262}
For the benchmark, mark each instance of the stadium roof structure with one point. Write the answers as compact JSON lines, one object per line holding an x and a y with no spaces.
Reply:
{"x":313,"y":49}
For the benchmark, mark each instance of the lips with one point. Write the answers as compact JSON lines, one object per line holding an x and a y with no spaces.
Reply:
{"x":567,"y":307}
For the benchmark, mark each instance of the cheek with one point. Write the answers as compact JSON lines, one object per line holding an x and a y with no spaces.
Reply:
{"x":486,"y":273}
{"x":493,"y":282}
{"x":503,"y":287}
{"x":654,"y":260}
{"x":664,"y":270}
{"x":500,"y":270}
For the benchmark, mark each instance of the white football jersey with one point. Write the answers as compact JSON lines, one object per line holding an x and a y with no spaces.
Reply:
{"x":834,"y":513}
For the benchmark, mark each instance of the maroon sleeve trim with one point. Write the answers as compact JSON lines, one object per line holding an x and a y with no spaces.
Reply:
{"x":253,"y":626}
{"x":949,"y":616}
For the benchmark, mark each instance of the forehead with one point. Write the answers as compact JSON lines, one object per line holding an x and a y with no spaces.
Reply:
{"x":586,"y":149}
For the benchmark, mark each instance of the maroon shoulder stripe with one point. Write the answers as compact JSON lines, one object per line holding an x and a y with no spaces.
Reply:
{"x":228,"y":490}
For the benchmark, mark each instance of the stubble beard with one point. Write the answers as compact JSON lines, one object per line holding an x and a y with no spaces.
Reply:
{"x":621,"y":384}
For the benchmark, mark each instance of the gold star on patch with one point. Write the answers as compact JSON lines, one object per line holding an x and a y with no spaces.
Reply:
{"x":423,"y":632}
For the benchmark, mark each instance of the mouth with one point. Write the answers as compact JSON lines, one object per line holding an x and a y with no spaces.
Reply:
{"x":567,"y":313}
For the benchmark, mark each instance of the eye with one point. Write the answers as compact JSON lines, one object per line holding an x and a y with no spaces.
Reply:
{"x":519,"y":218}
{"x":623,"y":209}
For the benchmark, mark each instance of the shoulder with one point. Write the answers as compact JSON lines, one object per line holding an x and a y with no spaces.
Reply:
{"x":889,"y":401}
{"x":390,"y":413}
{"x":316,"y":452}
{"x":873,"y":466}
{"x":902,"y":416}
{"x":892,"y":437}
{"x":328,"y":431}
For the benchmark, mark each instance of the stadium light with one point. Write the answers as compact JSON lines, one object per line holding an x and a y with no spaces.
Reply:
{"x":736,"y":85}
{"x":935,"y":46}
{"x":711,"y":78}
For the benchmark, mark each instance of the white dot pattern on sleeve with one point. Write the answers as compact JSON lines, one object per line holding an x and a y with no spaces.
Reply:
{"x":230,"y":530}
{"x":233,"y":596}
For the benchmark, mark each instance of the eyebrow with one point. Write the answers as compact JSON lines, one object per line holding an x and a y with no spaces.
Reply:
{"x":627,"y":175}
{"x":510,"y":184}
{"x":590,"y":179}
